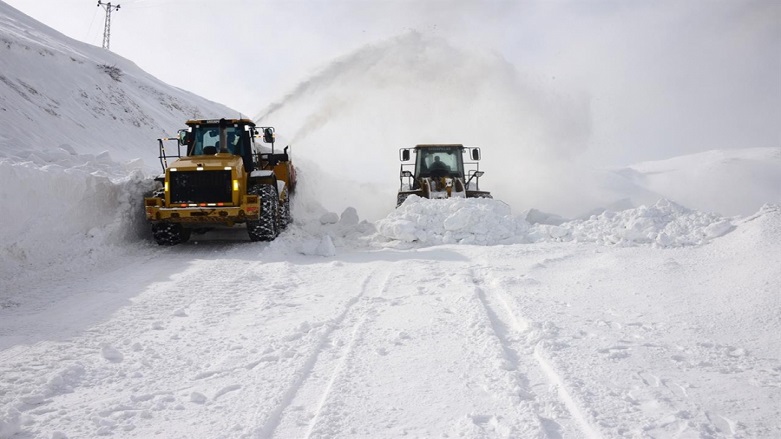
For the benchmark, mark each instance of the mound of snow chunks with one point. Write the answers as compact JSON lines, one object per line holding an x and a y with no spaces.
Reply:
{"x":490,"y":222}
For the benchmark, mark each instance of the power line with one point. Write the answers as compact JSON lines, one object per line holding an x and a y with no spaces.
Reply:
{"x":87,"y":37}
{"x":107,"y":27}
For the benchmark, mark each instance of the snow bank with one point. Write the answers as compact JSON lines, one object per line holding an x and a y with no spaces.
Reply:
{"x":62,"y":206}
{"x":490,"y":222}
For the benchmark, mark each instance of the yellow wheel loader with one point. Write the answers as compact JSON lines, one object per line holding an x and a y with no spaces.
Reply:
{"x":439,"y":172}
{"x":223,"y":178}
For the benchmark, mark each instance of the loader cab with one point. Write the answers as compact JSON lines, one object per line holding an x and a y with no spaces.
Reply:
{"x":203,"y":138}
{"x":439,"y":161}
{"x":440,"y":171}
{"x":436,"y":161}
{"x":206,"y":141}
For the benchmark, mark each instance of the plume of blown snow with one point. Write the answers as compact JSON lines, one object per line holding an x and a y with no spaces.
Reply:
{"x":351,"y":118}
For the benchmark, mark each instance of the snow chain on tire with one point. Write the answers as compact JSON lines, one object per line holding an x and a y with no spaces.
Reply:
{"x":170,"y":233}
{"x":265,"y":229}
{"x":284,"y":215}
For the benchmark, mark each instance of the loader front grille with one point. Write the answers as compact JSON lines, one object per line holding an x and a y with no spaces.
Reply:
{"x":200,"y":187}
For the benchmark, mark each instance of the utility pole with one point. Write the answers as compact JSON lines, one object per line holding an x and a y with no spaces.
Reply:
{"x":107,"y":28}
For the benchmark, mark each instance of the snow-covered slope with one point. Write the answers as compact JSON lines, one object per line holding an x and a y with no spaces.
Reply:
{"x":730,"y":182}
{"x":57,"y":91}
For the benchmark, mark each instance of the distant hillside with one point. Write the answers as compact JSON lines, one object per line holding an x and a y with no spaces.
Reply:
{"x":58,"y":91}
{"x":729,"y":182}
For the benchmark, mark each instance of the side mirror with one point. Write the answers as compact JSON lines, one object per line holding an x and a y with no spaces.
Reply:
{"x":405,"y":155}
{"x":478,"y":174}
{"x":268,"y":135}
{"x":475,"y":154}
{"x":185,"y":138}
{"x":406,"y":174}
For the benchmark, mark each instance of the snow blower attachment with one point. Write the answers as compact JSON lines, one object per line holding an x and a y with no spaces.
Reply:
{"x":224,"y":178}
{"x":438,"y":172}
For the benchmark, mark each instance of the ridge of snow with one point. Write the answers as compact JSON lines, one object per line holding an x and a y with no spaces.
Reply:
{"x":490,"y":222}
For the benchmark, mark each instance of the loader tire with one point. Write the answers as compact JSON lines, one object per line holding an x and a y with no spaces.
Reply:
{"x":264,"y":229}
{"x":170,"y":233}
{"x":284,"y":215}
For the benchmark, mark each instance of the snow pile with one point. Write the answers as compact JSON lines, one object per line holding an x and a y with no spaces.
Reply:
{"x":451,"y":221}
{"x":490,"y":222}
{"x":664,"y":224}
{"x":322,"y":233}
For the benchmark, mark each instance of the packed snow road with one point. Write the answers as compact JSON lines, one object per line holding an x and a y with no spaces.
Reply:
{"x":546,"y":340}
{"x":213,"y":342}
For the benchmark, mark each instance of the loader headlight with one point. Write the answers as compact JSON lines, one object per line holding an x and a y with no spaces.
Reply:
{"x":166,"y":186}
{"x":235,"y":185}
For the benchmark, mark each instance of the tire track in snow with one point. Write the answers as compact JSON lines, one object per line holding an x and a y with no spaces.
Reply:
{"x":344,"y":358}
{"x":566,"y":397}
{"x":509,"y":321}
{"x":275,"y":417}
{"x":502,"y":333}
{"x":354,"y":404}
